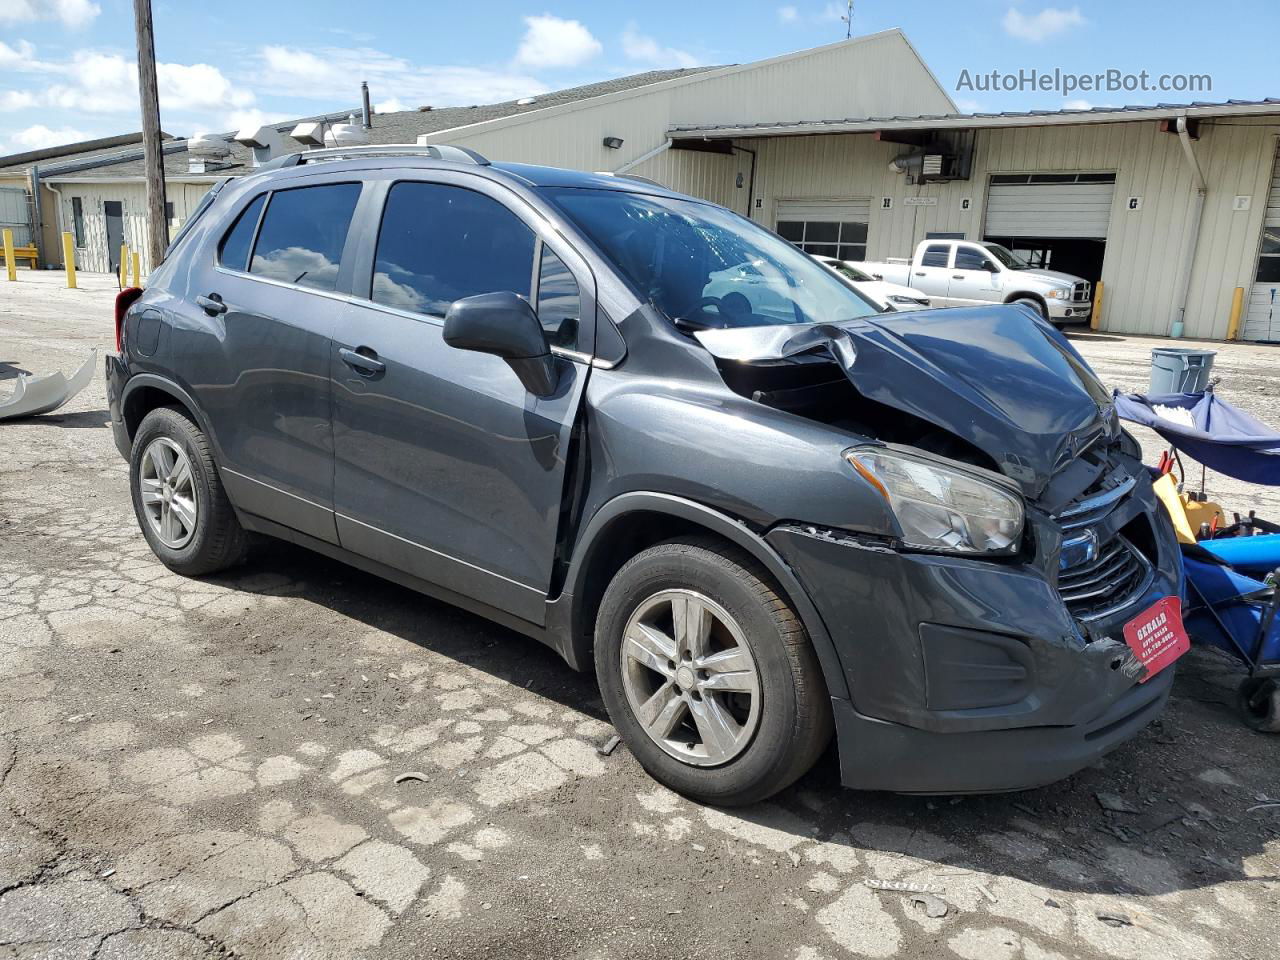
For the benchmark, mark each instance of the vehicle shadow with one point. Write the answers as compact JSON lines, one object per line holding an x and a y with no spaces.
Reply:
{"x":11,"y":371}
{"x":1167,"y":812}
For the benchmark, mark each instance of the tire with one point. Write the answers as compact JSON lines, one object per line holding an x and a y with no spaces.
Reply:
{"x":1258,"y":700}
{"x":779,"y":707}
{"x":1035,"y":305}
{"x":207,"y":542}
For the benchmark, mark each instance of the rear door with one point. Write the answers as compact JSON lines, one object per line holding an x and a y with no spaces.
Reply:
{"x":446,"y":467}
{"x":256,"y":340}
{"x":973,"y":278}
{"x":930,"y":272}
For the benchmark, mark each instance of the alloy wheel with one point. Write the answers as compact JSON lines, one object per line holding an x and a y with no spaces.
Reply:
{"x":690,"y":677}
{"x":168,"y":492}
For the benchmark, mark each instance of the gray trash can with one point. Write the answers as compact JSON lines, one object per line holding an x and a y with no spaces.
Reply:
{"x":1179,"y":370}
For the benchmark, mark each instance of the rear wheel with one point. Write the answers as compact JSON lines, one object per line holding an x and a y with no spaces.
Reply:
{"x":1259,"y":702}
{"x":178,"y":498}
{"x":708,"y":674}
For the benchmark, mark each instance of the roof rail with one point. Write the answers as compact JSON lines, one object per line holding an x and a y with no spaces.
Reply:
{"x":442,"y":151}
{"x":631,"y":176}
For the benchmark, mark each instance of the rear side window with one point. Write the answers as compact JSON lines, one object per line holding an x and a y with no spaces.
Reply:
{"x":559,"y":302}
{"x":303,"y":233}
{"x":234,"y":252}
{"x":935,"y":255}
{"x":440,"y":243}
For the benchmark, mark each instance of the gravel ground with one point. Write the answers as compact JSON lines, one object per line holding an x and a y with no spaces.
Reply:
{"x":203,"y":768}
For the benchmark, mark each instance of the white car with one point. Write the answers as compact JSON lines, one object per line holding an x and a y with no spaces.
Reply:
{"x":882,"y":292}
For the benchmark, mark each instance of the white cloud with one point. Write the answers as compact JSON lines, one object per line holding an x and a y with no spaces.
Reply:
{"x":834,"y":11}
{"x":72,"y":13}
{"x":11,"y":100}
{"x":39,"y":136}
{"x":1077,"y":104}
{"x":638,"y":46}
{"x":967,"y":105}
{"x":333,"y":75}
{"x":19,"y":57}
{"x":788,"y":14}
{"x":1041,"y":26}
{"x":390,"y":106}
{"x":552,"y":42}
{"x":108,"y":83}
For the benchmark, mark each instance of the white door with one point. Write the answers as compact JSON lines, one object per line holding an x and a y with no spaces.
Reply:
{"x":1262,"y":313}
{"x":973,"y":278}
{"x":1049,"y":205}
{"x":931,"y":273}
{"x":826,"y":228}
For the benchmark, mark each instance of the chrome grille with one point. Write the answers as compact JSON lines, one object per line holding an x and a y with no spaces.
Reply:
{"x":1095,"y":587}
{"x":1080,"y":291}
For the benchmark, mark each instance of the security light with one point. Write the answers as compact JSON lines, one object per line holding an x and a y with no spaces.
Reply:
{"x":613,"y":143}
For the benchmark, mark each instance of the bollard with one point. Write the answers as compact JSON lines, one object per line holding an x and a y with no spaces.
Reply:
{"x":1237,"y":308}
{"x":10,"y":264}
{"x":137,"y":263}
{"x":124,"y":265}
{"x":1095,"y":318}
{"x":69,"y":259}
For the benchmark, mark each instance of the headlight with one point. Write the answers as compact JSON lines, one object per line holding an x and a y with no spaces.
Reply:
{"x":1061,"y":294}
{"x":939,"y":508}
{"x":912,"y":301}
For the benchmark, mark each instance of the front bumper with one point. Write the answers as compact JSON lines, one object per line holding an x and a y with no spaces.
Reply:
{"x":1069,"y":309}
{"x":972,"y":676}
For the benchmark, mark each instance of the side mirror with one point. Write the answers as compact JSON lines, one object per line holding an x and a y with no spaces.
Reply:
{"x":504,"y":325}
{"x":990,"y":266}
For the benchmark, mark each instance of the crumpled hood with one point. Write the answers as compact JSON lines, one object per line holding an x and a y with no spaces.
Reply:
{"x":1005,"y":381}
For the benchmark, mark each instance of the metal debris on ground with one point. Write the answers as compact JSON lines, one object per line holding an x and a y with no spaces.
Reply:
{"x":1115,"y":919}
{"x":1115,"y":803}
{"x":609,"y":746}
{"x":934,"y":906}
{"x":902,"y":886}
{"x":412,"y":775}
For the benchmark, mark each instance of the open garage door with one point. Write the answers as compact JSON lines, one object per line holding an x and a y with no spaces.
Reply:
{"x":1262,"y":317}
{"x":1056,"y":221}
{"x":827,"y":228}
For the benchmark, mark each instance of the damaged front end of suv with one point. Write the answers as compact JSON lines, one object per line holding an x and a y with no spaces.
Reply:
{"x":978,"y":616}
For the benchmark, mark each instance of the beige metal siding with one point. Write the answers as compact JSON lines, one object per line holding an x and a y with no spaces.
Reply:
{"x":1144,"y":247}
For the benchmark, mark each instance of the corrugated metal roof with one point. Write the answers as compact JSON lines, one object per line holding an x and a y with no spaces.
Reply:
{"x":1202,"y":109}
{"x":102,"y":146}
{"x":403,"y":126}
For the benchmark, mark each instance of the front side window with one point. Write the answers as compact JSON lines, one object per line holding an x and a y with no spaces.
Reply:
{"x":303,"y":233}
{"x":968,"y":259}
{"x":234,"y":251}
{"x":559,"y":302}
{"x":705,"y":267}
{"x":1007,"y":256}
{"x":439,"y":243}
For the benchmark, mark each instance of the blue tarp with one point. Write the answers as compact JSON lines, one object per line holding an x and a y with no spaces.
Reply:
{"x":1257,"y":555}
{"x":1224,"y":438}
{"x":1221,"y":587}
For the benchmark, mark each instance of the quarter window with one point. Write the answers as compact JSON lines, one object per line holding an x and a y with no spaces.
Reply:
{"x":559,"y":302}
{"x":440,"y":243}
{"x":234,"y":252}
{"x":302,"y":235}
{"x":935,"y":255}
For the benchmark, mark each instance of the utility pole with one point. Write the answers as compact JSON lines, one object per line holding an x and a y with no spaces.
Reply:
{"x":153,"y":155}
{"x":848,"y":21}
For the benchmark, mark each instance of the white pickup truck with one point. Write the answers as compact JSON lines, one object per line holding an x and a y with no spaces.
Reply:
{"x":965,"y":273}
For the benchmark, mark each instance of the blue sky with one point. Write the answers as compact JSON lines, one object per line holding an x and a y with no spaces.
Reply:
{"x":67,"y":73}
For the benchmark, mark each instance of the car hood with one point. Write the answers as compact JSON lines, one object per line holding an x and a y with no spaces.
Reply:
{"x":1052,"y":277}
{"x":883,"y":289}
{"x":998,"y":377}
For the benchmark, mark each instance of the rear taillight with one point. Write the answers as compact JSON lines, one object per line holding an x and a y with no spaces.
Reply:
{"x":124,"y":300}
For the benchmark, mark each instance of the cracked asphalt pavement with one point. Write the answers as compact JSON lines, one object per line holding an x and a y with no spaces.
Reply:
{"x":209,"y":768}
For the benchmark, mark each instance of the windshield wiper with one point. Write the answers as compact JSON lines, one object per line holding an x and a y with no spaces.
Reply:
{"x":685,"y":325}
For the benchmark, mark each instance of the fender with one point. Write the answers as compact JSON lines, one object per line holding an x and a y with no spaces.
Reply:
{"x":565,"y":616}
{"x":139,"y":381}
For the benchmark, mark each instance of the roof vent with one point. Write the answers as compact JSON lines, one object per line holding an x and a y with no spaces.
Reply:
{"x":526,"y":101}
{"x":207,"y":153}
{"x":265,"y":142}
{"x":311,"y":134}
{"x":425,"y":108}
{"x":349,"y":134}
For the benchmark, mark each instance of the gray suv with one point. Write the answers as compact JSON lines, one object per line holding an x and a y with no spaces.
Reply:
{"x":668,"y":444}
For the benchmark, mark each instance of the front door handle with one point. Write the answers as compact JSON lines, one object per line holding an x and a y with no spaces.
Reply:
{"x":957,"y":276}
{"x":212,"y":304}
{"x":364,"y":360}
{"x":919,"y":273}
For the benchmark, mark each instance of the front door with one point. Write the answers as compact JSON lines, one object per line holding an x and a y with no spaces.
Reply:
{"x":972,"y":279}
{"x":445,"y":466}
{"x":265,"y":313}
{"x":113,"y":213}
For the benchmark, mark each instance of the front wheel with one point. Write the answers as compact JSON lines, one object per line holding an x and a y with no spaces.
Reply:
{"x":708,"y":674}
{"x":1034,"y":304}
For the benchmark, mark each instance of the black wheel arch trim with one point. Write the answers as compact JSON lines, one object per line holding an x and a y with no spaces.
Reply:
{"x":139,"y":381}
{"x":565,"y":615}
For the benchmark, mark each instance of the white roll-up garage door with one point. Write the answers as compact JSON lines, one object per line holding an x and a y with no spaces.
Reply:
{"x":1262,"y":318}
{"x":830,"y":228}
{"x":1049,"y":205}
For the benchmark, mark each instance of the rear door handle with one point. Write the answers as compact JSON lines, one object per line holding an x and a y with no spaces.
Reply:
{"x":364,"y":360}
{"x":212,"y":304}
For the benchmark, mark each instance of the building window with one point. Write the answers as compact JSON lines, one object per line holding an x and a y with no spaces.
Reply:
{"x":77,"y":220}
{"x":1269,"y":256}
{"x":845,"y":240}
{"x":168,"y":210}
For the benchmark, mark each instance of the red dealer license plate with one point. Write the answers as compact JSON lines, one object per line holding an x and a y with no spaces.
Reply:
{"x":1156,"y":636}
